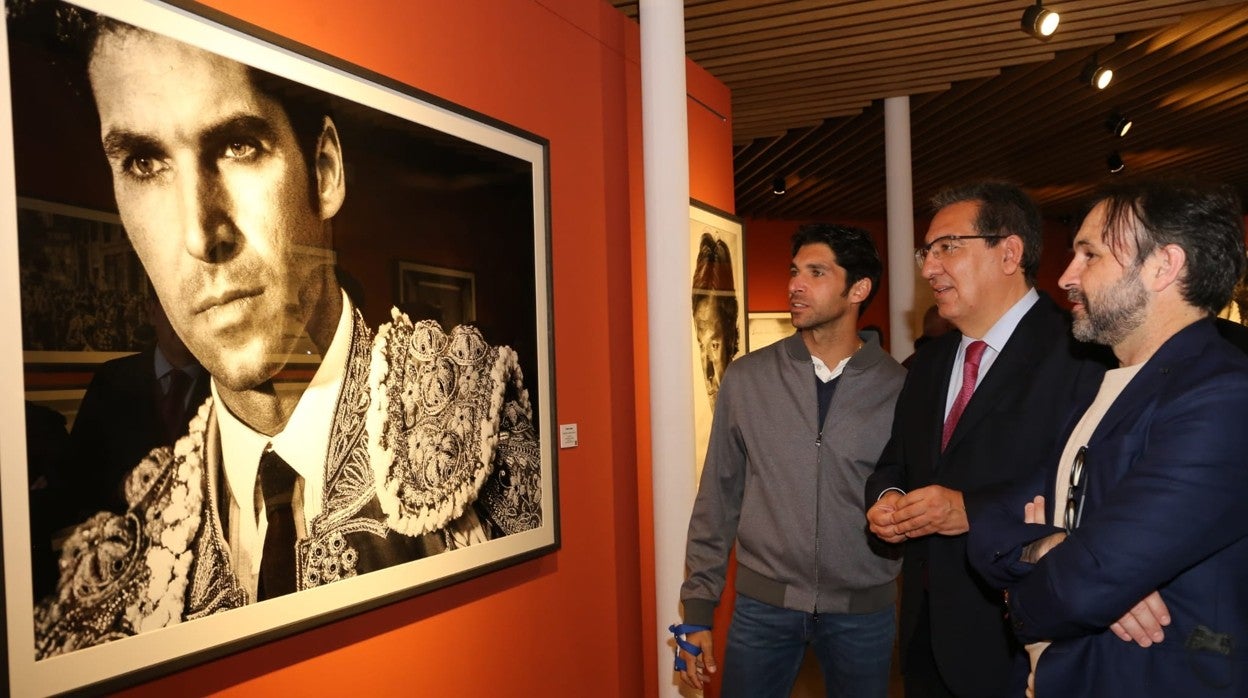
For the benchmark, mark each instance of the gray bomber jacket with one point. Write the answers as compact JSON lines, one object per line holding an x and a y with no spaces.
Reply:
{"x":790,"y":497}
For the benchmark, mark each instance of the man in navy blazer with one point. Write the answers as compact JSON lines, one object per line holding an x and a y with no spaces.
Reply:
{"x":1148,"y":493}
{"x":980,"y":257}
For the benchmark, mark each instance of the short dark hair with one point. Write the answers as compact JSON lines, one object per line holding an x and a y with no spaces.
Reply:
{"x":1204,"y":218}
{"x":70,"y":34}
{"x":1004,"y":210}
{"x":854,"y":249}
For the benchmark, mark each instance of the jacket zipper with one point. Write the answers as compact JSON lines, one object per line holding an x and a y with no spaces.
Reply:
{"x":818,"y":484}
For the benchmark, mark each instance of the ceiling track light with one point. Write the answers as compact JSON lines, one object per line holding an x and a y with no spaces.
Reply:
{"x":777,"y":186}
{"x":1095,"y":74}
{"x":1114,"y":162}
{"x":1039,"y":22}
{"x":1118,"y":124}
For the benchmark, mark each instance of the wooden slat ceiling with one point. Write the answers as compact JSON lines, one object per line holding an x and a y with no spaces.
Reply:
{"x":808,"y":80}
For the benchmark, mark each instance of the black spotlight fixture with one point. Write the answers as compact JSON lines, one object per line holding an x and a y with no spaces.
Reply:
{"x":1039,"y":22}
{"x":1118,"y":124}
{"x":1114,"y":162}
{"x":1095,"y":74}
{"x":777,"y":186}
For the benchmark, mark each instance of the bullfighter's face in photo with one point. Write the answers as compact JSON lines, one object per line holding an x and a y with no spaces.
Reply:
{"x":214,"y":194}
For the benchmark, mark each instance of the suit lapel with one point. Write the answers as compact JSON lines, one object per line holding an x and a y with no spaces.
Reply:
{"x":1184,"y":347}
{"x":1025,"y":348}
{"x":938,"y":393}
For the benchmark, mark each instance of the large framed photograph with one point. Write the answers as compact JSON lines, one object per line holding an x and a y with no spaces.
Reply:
{"x":717,"y":320}
{"x":221,"y":420}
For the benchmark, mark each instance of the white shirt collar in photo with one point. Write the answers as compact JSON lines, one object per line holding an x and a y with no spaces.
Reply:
{"x":995,"y":338}
{"x":303,"y":443}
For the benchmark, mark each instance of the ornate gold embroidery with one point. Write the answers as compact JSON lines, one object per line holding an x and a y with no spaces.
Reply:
{"x":459,"y":435}
{"x":434,"y":447}
{"x":122,"y":575}
{"x":328,"y":560}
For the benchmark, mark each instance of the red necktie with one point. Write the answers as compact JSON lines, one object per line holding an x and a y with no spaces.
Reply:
{"x":970,"y":373}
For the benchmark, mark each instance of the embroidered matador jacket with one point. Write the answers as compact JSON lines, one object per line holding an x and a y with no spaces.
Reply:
{"x":432,"y":444}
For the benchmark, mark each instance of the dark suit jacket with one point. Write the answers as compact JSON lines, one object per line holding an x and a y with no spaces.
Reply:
{"x":118,"y":423}
{"x":1166,"y":478}
{"x":1009,"y":426}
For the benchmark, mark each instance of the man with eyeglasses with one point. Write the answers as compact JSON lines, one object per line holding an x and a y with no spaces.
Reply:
{"x":979,"y":409}
{"x":1147,"y":495}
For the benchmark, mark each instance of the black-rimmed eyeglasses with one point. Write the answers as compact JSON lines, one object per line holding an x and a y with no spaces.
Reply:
{"x":1075,"y":494}
{"x":947,"y":245}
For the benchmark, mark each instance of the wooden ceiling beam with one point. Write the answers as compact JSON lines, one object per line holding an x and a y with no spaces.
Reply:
{"x":741,"y":12}
{"x":731,"y":55}
{"x":854,"y":77}
{"x":838,"y":136}
{"x":807,"y":77}
{"x":834,"y":63}
{"x":826,"y":22}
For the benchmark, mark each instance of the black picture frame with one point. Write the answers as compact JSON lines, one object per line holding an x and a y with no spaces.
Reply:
{"x":407,"y":156}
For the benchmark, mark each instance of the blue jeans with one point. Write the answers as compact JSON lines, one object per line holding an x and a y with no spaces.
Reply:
{"x":766,"y":645}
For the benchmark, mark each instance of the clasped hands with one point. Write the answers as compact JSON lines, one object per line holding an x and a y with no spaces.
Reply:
{"x":933,"y":509}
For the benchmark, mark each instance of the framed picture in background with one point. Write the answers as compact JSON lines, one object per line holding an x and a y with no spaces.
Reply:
{"x":446,"y":295}
{"x":82,"y":286}
{"x":718,"y":310}
{"x":769,"y":328}
{"x":82,"y":301}
{"x":262,"y":215}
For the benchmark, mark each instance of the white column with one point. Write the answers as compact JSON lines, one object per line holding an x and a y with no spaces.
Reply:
{"x":901,"y":270}
{"x":666,"y":154}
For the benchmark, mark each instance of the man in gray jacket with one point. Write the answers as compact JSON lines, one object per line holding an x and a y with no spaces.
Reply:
{"x":798,"y":427}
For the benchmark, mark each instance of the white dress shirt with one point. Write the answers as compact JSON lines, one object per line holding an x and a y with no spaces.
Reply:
{"x":995,"y":338}
{"x":303,"y":443}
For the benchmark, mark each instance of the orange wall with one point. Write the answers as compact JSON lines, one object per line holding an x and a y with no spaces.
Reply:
{"x":578,"y":621}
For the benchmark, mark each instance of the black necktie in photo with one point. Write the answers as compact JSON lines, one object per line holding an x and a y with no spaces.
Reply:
{"x":277,"y":566}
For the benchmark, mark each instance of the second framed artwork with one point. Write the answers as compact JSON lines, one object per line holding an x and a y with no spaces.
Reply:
{"x":446,"y":295}
{"x":718,"y":310}
{"x":237,"y":424}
